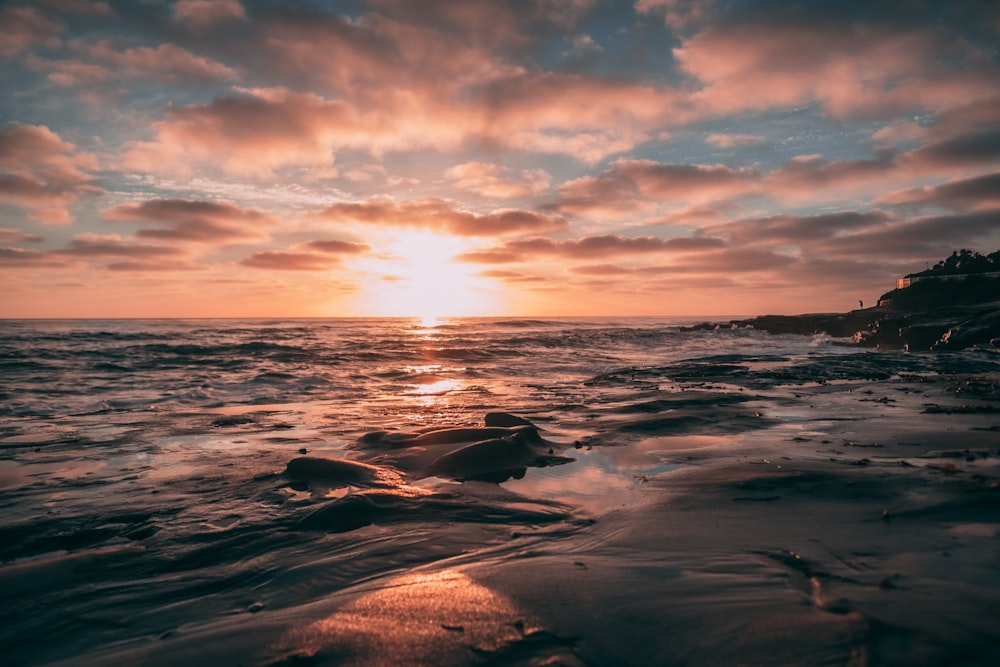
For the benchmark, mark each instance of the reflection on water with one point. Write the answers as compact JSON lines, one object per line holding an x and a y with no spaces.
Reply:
{"x":422,"y":619}
{"x":435,"y":388}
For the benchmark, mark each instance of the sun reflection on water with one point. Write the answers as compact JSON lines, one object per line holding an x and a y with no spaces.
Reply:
{"x":437,"y":388}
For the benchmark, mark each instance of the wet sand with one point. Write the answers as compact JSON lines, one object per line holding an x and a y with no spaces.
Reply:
{"x":846,"y":522}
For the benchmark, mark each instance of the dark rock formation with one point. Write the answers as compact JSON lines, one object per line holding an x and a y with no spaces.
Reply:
{"x":932,"y":314}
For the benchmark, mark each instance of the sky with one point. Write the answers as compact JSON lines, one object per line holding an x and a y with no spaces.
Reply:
{"x":243,"y":158}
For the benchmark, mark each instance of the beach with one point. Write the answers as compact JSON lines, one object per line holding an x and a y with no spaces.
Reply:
{"x":573,"y":492}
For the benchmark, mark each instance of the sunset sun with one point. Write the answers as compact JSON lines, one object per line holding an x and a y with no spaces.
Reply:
{"x":419,"y":277}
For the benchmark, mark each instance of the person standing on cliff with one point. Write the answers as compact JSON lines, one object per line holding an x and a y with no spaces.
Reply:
{"x":861,"y":304}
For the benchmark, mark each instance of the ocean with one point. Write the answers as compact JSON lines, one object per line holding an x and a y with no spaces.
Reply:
{"x":151,"y":513}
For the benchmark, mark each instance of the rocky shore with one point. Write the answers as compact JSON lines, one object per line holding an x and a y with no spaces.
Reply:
{"x":930,"y":315}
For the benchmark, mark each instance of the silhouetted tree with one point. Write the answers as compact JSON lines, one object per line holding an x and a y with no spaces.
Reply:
{"x":962,"y":262}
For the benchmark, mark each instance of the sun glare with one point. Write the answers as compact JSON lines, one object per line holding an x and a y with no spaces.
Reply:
{"x":418,"y":277}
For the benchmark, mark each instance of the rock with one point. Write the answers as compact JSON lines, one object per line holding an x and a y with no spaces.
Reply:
{"x":981,"y":329}
{"x":505,"y":419}
{"x":340,"y":472}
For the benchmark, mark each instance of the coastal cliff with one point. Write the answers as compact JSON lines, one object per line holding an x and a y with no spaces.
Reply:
{"x":938,"y":309}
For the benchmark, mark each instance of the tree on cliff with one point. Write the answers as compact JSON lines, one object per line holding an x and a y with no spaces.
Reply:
{"x":962,"y":262}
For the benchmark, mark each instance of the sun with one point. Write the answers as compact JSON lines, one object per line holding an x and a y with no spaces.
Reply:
{"x":417,"y":276}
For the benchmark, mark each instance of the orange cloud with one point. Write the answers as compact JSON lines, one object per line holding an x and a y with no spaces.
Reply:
{"x":850,"y":68}
{"x":253,"y":134}
{"x":393,"y":86}
{"x":442,"y":216}
{"x":182,"y":220}
{"x":22,"y":258}
{"x":153,"y":267}
{"x":284,"y":260}
{"x":523,"y":250}
{"x":621,"y":189}
{"x":511,"y":276}
{"x":103,"y":246}
{"x":8,"y":235}
{"x":317,"y":255}
{"x":339,"y":247}
{"x":487,"y":180}
{"x":166,"y":62}
{"x":42,"y":173}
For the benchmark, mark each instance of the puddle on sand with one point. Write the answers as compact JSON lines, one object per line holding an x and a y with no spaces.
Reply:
{"x":595,"y":482}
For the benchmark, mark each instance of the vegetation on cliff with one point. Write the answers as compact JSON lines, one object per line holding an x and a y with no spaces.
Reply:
{"x":962,"y":262}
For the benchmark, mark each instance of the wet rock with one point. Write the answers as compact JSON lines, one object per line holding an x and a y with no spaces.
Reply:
{"x":340,"y":472}
{"x":981,"y":329}
{"x":505,"y":419}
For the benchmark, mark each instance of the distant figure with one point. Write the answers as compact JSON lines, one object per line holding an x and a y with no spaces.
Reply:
{"x":861,"y":304}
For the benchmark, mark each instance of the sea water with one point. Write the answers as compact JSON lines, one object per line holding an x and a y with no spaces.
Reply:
{"x":141,"y":460}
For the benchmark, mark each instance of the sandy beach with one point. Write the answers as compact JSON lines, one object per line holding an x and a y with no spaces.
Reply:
{"x":713,"y":511}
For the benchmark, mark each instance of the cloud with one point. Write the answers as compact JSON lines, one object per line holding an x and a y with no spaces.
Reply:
{"x":677,"y":13}
{"x":511,"y":276}
{"x":523,"y":250}
{"x":442,"y":216}
{"x":153,"y":266}
{"x":285,"y":260}
{"x":806,"y":54}
{"x":971,"y":193}
{"x":337,"y":247}
{"x":42,"y":173}
{"x":8,"y":235}
{"x":732,"y":260}
{"x":88,"y":7}
{"x":384,"y":83}
{"x":166,"y":62}
{"x":22,"y":258}
{"x":24,"y":28}
{"x":203,"y":14}
{"x":571,"y":114}
{"x":898,"y":132}
{"x":253,"y":134}
{"x":103,"y":246}
{"x":788,"y":229}
{"x":601,"y":270}
{"x":807,"y":176}
{"x":978,"y":147}
{"x":487,"y":180}
{"x":193,"y":221}
{"x":734,"y":140}
{"x":263,"y":129}
{"x":922,"y":237}
{"x":693,"y":215}
{"x":627,"y":183}
{"x":72,"y":72}
{"x":316,"y":255}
